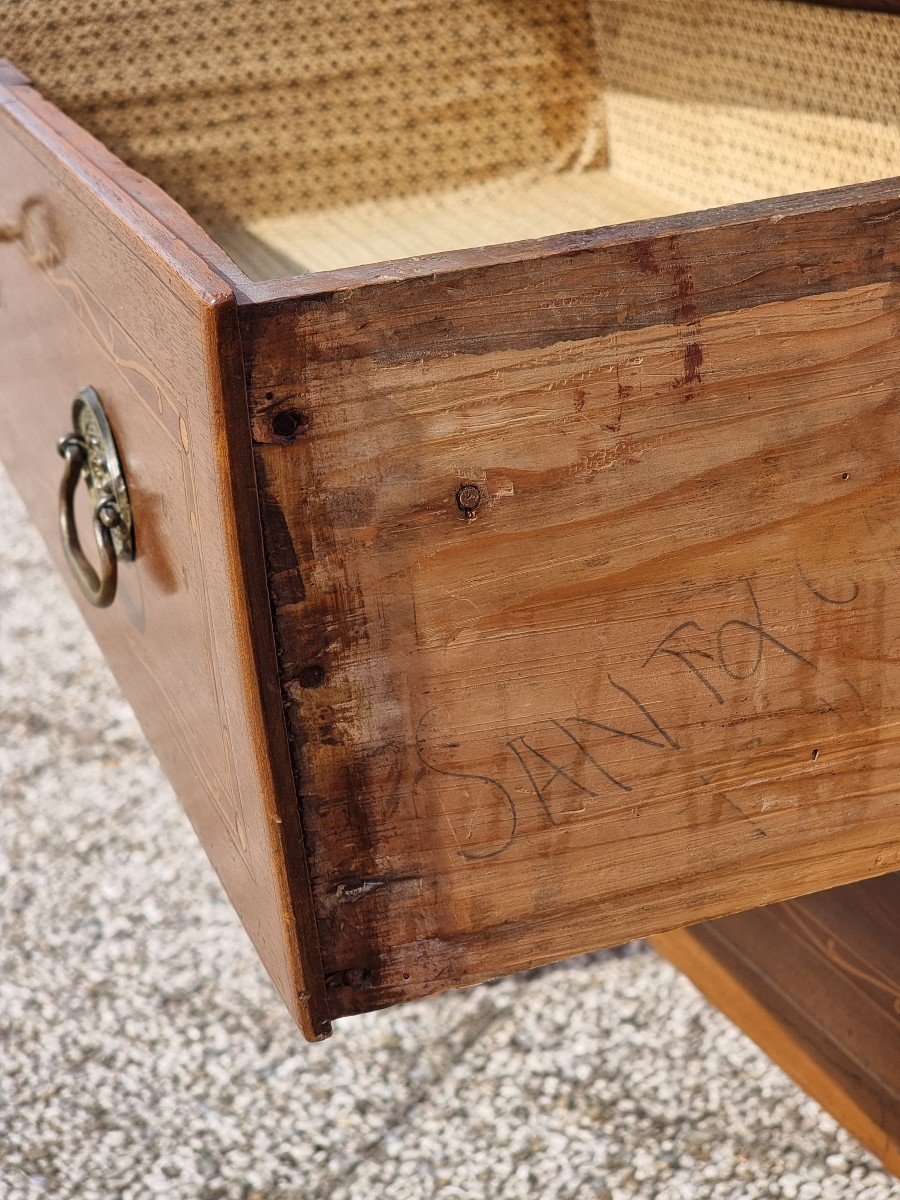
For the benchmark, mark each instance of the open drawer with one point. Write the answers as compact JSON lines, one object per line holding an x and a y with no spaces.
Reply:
{"x":505,"y":601}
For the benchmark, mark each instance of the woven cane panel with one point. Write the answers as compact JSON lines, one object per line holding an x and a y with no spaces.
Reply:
{"x":718,"y":101}
{"x":245,"y":108}
{"x":706,"y":102}
{"x":318,"y":134}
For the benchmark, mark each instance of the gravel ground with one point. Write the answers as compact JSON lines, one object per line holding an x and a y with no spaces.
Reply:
{"x":143,"y":1053}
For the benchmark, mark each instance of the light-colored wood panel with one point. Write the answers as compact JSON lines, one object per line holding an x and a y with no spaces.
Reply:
{"x":527,"y":204}
{"x":652,"y":677}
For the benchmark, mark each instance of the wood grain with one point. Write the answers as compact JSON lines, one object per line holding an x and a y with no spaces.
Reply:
{"x":98,"y":292}
{"x":170,"y":219}
{"x":816,"y":983}
{"x":649,"y":680}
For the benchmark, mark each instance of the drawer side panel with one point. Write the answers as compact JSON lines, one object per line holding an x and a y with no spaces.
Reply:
{"x":650,"y":676}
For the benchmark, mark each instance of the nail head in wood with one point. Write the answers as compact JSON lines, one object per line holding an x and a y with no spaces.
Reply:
{"x":288,"y":423}
{"x":312,"y":676}
{"x":468,"y":498}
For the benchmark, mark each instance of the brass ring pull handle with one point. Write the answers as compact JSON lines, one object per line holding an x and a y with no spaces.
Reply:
{"x":99,"y":589}
{"x":90,"y":453}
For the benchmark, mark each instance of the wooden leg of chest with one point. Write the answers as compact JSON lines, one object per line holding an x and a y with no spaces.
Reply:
{"x":816,"y":983}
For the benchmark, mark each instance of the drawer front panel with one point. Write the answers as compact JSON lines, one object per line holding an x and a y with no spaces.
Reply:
{"x":585,"y":565}
{"x":94,"y":293}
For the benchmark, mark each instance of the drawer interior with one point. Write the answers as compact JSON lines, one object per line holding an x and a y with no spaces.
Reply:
{"x":329,"y":134}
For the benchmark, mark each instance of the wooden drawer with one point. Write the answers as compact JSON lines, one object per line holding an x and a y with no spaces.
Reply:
{"x":816,"y":982}
{"x":491,"y":604}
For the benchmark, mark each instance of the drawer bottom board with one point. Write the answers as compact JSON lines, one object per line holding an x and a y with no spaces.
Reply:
{"x":816,"y":983}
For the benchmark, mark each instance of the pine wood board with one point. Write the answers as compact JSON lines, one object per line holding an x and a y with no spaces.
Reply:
{"x":650,"y":680}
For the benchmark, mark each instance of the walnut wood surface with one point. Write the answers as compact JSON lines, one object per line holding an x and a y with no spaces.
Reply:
{"x":98,"y":292}
{"x":650,"y":680}
{"x":816,"y":982}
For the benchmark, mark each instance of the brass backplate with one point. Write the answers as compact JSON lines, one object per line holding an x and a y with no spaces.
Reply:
{"x":102,"y":469}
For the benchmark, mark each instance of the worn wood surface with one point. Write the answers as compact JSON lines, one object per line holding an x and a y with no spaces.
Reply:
{"x":650,"y":678}
{"x":96,"y":291}
{"x":816,"y":983}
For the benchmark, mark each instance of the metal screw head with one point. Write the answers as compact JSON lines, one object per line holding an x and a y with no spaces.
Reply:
{"x":109,"y":515}
{"x":468,"y":497}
